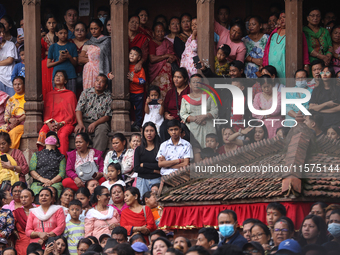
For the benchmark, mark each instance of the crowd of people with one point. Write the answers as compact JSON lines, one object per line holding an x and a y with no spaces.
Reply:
{"x":91,"y":200}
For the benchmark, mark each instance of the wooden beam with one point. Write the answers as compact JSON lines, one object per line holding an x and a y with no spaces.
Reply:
{"x":120,"y":65}
{"x":205,"y":30}
{"x":294,"y":55}
{"x":33,"y":95}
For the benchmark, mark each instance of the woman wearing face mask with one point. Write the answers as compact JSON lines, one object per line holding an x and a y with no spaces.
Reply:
{"x":334,"y":228}
{"x":47,"y":167}
{"x":301,"y":83}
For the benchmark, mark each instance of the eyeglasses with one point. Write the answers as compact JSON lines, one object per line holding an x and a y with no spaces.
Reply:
{"x":81,"y":251}
{"x":106,"y":194}
{"x":80,"y":30}
{"x":258,"y":236}
{"x":102,"y":16}
{"x":327,"y":73}
{"x":314,"y":16}
{"x":283,"y":230}
{"x":250,"y":252}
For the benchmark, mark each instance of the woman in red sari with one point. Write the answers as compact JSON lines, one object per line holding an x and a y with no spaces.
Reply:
{"x":143,"y":15}
{"x":138,"y":39}
{"x":136,"y":219}
{"x":46,"y":42}
{"x":20,"y":217}
{"x":161,"y":56}
{"x":59,"y":113}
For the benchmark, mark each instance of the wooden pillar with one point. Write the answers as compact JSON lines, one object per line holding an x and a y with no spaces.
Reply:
{"x":205,"y":30}
{"x":294,"y":55}
{"x":33,"y":96}
{"x":120,"y":65}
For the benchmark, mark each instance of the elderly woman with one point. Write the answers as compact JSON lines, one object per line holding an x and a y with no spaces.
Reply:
{"x":136,"y":218}
{"x":20,"y":217}
{"x":161,"y":56}
{"x":16,"y":191}
{"x":233,"y":38}
{"x":45,"y":221}
{"x":283,"y":230}
{"x":14,"y":112}
{"x":47,"y":167}
{"x":275,"y":50}
{"x":255,"y":43}
{"x":335,"y":35}
{"x":102,"y":218}
{"x":175,"y":28}
{"x":181,"y":39}
{"x":198,"y":124}
{"x":78,"y":163}
{"x":120,"y":153}
{"x":95,"y":54}
{"x":143,"y":15}
{"x":21,"y":165}
{"x":117,"y":197}
{"x":138,"y":39}
{"x":6,"y":218}
{"x":8,"y":52}
{"x":59,"y":113}
{"x":318,"y":38}
{"x":190,"y":50}
{"x":173,"y":100}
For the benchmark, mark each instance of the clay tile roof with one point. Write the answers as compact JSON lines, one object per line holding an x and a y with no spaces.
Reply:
{"x":323,"y":181}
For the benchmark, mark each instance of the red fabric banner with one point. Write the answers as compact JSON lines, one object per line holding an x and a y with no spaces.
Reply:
{"x":188,"y":217}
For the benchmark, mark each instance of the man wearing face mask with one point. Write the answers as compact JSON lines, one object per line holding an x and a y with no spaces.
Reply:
{"x":334,"y":230}
{"x":103,"y":12}
{"x":227,"y":224}
{"x":301,"y":83}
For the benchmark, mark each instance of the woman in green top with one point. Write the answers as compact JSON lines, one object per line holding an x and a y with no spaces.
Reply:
{"x":318,"y":38}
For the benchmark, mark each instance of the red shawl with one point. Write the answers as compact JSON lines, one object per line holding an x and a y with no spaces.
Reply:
{"x":146,"y":31}
{"x":138,"y":41}
{"x":165,"y":48}
{"x":193,"y":101}
{"x":60,"y":105}
{"x":21,"y":217}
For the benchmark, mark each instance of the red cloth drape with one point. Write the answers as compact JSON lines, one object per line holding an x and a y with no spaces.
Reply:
{"x":60,"y":104}
{"x":187,"y":217}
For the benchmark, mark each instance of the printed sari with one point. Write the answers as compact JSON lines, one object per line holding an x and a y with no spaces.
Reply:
{"x":14,"y":109}
{"x":160,"y":73}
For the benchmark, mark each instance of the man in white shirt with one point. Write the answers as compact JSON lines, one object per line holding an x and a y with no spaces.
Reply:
{"x":175,"y":152}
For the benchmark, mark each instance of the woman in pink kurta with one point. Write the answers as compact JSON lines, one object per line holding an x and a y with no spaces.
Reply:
{"x":233,"y":39}
{"x":102,"y":218}
{"x":190,"y":50}
{"x":47,"y":220}
{"x":264,"y":101}
{"x":91,"y":69}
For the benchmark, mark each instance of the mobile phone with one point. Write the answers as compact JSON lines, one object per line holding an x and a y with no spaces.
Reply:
{"x":196,"y":60}
{"x":20,"y":32}
{"x":154,"y":102}
{"x":4,"y":158}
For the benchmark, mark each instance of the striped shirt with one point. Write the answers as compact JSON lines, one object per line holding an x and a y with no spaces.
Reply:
{"x":73,"y":233}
